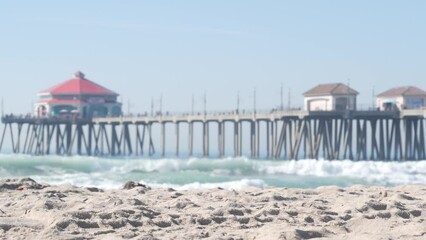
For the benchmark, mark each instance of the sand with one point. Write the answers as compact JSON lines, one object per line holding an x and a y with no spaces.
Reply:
{"x":31,"y":210}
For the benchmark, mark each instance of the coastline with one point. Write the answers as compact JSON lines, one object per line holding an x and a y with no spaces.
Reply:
{"x":36,"y":210}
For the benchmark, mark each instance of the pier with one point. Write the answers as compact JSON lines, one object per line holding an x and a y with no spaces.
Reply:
{"x":334,"y":135}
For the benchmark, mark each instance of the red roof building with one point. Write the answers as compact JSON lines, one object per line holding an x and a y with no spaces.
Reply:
{"x":77,"y":97}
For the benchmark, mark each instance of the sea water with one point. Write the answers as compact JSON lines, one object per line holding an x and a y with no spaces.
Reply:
{"x":192,"y":173}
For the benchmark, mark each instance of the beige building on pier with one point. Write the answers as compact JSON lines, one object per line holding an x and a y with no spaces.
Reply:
{"x":330,"y":97}
{"x":398,"y":98}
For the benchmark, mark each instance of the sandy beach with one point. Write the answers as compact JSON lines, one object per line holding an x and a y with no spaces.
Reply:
{"x":40,"y":211}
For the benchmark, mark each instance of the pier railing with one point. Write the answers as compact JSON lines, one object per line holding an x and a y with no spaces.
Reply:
{"x":201,"y":117}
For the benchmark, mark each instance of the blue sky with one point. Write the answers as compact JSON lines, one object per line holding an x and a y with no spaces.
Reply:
{"x":148,"y":49}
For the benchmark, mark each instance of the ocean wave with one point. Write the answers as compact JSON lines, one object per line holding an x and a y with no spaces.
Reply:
{"x":106,"y":172}
{"x":394,"y":173}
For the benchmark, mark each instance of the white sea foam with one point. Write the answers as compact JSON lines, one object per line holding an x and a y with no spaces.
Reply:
{"x":236,"y":185}
{"x":82,"y":180}
{"x":410,"y":172}
{"x":206,"y":173}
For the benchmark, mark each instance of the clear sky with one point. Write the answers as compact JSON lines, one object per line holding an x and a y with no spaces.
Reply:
{"x":147,"y":49}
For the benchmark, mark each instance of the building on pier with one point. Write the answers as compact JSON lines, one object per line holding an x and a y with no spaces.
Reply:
{"x":398,"y":98}
{"x":77,"y":97}
{"x":330,"y":97}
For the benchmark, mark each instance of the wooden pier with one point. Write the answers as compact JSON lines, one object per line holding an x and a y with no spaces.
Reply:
{"x":355,"y":135}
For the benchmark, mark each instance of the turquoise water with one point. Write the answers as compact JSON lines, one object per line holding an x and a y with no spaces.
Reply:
{"x":189,"y":173}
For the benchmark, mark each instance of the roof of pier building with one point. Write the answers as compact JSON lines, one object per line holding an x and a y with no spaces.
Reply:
{"x":78,"y":85}
{"x":330,"y":89}
{"x":403,"y":91}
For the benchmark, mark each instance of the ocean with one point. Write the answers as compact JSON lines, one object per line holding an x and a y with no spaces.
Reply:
{"x":193,"y":173}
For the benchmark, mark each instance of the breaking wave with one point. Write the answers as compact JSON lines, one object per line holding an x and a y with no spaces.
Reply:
{"x":228,"y":173}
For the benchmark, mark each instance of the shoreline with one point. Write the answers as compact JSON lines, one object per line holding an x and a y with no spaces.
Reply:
{"x":35,"y":210}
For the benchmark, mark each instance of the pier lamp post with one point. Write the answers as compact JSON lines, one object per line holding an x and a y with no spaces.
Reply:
{"x":254,"y":101}
{"x":192,"y":104}
{"x":238,"y":102}
{"x":161,"y":104}
{"x":205,"y":103}
{"x":281,"y":98}
{"x":289,"y":99}
{"x":152,"y":106}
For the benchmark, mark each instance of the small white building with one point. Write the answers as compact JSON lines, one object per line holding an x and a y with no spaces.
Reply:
{"x":398,"y":98}
{"x":330,"y":97}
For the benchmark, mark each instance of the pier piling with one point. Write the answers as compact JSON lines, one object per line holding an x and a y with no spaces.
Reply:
{"x":356,"y":135}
